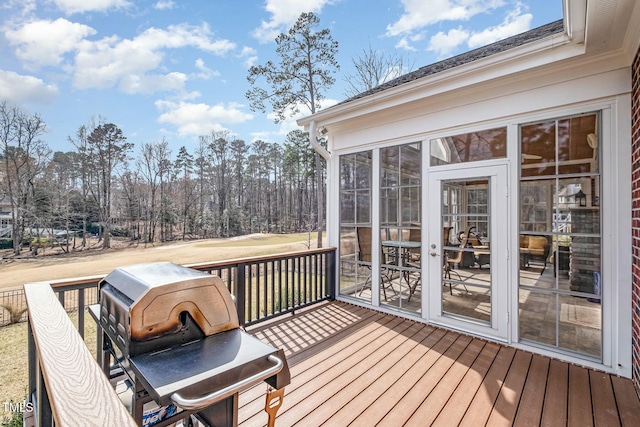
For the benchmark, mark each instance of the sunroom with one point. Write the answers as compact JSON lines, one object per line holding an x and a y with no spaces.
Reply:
{"x":490,"y":193}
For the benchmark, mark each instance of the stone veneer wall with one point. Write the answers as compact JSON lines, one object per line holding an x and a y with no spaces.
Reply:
{"x":635,"y":218}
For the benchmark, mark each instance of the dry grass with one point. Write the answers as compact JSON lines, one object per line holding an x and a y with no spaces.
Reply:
{"x":13,"y":368}
{"x":14,"y":375}
{"x":15,"y":273}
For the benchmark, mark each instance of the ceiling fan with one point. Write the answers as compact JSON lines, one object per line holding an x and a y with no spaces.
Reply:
{"x":525,"y":156}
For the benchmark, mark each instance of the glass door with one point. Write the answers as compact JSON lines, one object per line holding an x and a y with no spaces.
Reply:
{"x":468,"y":250}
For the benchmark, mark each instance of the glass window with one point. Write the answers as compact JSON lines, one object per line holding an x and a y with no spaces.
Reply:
{"x":469,"y":147}
{"x":400,"y":206}
{"x":560,"y":236}
{"x":355,"y":224}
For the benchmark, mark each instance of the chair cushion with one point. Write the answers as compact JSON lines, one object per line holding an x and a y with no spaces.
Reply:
{"x":537,"y":245}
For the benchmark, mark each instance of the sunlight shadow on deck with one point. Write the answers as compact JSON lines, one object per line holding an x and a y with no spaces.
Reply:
{"x":355,"y":365}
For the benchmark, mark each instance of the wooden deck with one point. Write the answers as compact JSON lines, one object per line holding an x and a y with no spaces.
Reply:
{"x":355,"y":366}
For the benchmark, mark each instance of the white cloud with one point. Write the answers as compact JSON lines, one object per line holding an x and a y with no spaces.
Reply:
{"x":103,"y":63}
{"x":80,"y":6}
{"x":403,"y":43}
{"x":514,"y":23}
{"x":200,"y":119}
{"x":112,"y":61}
{"x":44,"y":42}
{"x":419,"y":13}
{"x":152,"y":83}
{"x":205,"y":72}
{"x":165,"y":4}
{"x":20,"y":90}
{"x":289,"y":123}
{"x":284,"y":14}
{"x":250,"y":56}
{"x":26,"y":7}
{"x":443,"y":44}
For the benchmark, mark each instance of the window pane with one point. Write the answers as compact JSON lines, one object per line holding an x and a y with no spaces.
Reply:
{"x":347,"y":207}
{"x":469,"y":147}
{"x":577,"y":145}
{"x":400,"y":244}
{"x":363,"y":170}
{"x":355,"y":215}
{"x":363,"y":207}
{"x":580,"y":326}
{"x":560,"y":274}
{"x":535,"y":205}
{"x":538,"y":149}
{"x":347,"y":172}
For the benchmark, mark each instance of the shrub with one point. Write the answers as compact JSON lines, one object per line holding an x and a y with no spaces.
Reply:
{"x":15,"y":314}
{"x":14,"y":421}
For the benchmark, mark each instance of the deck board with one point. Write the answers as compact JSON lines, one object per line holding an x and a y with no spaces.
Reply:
{"x":605,"y":411}
{"x":532,"y":399}
{"x":358,"y":367}
{"x":336,"y":378}
{"x":451,"y":414}
{"x":504,"y":411}
{"x":431,"y":407}
{"x":413,"y":373}
{"x":554,"y":409}
{"x":628,"y":404}
{"x":580,"y":411}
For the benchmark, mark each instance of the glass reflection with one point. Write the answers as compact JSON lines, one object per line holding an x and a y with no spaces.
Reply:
{"x":400,"y":220}
{"x":469,"y":147}
{"x":355,"y":216}
{"x":560,"y":235}
{"x":466,"y":250}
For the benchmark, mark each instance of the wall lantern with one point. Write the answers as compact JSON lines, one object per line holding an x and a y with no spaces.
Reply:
{"x":581,"y":198}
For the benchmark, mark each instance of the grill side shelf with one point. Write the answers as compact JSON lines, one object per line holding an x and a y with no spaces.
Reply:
{"x":204,"y":366}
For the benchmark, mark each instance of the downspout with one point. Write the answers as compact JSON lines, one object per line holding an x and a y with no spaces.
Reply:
{"x":313,"y":140}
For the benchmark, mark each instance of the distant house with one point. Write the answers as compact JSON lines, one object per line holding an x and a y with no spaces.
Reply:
{"x":496,"y":192}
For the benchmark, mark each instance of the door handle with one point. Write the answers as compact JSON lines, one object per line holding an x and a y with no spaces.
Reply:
{"x":434,"y":254}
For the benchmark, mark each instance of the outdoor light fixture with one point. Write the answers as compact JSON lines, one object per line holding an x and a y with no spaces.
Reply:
{"x":581,"y":198}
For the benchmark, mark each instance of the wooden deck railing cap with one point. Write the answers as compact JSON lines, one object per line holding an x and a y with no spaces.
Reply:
{"x":79,"y":392}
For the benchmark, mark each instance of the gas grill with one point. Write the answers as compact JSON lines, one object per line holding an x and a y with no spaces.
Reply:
{"x":173,"y":334}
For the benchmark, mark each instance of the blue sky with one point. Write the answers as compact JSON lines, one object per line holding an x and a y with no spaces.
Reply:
{"x":177,"y":69}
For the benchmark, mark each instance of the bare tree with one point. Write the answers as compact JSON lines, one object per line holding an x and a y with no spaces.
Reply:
{"x":184,"y":168}
{"x":24,"y":157}
{"x":108,"y":150}
{"x":372,"y":68}
{"x":307,"y":62}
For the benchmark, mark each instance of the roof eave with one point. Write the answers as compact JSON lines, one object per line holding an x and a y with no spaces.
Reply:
{"x":528,"y":56}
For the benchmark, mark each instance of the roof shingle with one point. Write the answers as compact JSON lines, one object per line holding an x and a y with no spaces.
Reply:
{"x":467,"y":57}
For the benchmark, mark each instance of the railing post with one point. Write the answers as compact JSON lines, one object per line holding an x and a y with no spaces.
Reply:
{"x":330,"y":274}
{"x":42,"y":407}
{"x":81,"y":312}
{"x":32,"y":362}
{"x":240,"y":292}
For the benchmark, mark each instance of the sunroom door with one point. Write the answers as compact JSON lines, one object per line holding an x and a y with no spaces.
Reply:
{"x":468,"y":231}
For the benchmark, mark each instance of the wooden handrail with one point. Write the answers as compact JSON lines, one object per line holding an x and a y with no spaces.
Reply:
{"x":78,"y":392}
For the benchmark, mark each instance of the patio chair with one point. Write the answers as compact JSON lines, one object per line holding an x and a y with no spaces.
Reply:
{"x":449,"y":261}
{"x":481,"y":255}
{"x":413,"y":260}
{"x":535,"y":247}
{"x":363,"y":235}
